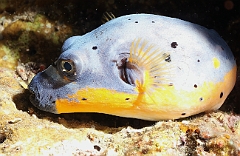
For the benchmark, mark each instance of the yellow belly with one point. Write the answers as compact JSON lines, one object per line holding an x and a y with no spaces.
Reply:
{"x":163,"y":103}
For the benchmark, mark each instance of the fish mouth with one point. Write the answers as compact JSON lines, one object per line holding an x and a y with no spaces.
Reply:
{"x":34,"y":101}
{"x":47,"y":107}
{"x":33,"y":98}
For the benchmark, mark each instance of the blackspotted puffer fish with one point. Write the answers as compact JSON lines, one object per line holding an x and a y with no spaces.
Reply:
{"x":139,"y":66}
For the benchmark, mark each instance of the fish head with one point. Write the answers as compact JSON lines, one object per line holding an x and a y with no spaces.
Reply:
{"x":78,"y":68}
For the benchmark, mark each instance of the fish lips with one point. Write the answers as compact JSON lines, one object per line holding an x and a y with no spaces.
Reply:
{"x":46,"y":101}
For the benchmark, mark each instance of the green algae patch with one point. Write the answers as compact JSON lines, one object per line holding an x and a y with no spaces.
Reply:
{"x":24,"y":40}
{"x":8,"y":58}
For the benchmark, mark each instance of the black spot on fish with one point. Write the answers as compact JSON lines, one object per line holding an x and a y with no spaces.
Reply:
{"x":195,"y":86}
{"x":153,"y":21}
{"x":84,"y":99}
{"x":200,"y":99}
{"x":183,"y":114}
{"x":221,"y":94}
{"x":129,"y":19}
{"x":136,"y":21}
{"x":127,"y":98}
{"x":198,"y":60}
{"x":94,"y":47}
{"x":174,"y":44}
{"x":170,"y":84}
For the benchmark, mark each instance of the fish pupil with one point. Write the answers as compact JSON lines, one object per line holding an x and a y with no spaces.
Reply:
{"x":67,"y":66}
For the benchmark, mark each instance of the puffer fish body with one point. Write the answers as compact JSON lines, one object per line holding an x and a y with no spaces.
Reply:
{"x":140,"y":66}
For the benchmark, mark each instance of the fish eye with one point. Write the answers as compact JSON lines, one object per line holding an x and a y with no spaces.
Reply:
{"x":67,"y":68}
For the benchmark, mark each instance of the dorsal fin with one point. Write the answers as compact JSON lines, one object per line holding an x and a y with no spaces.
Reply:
{"x":107,"y":16}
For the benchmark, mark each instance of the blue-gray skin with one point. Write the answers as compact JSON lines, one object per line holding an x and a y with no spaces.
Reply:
{"x":94,"y":56}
